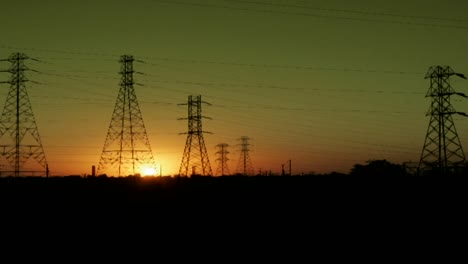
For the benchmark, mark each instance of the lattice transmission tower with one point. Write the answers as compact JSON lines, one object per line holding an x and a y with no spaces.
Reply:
{"x":127,"y":149}
{"x":21,"y":148}
{"x":244,"y":165}
{"x":442,"y":151}
{"x":195,"y":157}
{"x":223,"y":168}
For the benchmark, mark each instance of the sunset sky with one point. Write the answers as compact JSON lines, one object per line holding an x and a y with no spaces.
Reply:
{"x":327,"y":84}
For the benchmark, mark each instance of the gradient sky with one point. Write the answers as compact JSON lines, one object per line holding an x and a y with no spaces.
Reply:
{"x":327,"y":84}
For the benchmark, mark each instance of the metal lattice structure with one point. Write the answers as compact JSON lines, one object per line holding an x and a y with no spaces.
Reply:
{"x":126,"y":151}
{"x":195,"y":155}
{"x":442,"y":152}
{"x":223,"y":168}
{"x":20,"y":142}
{"x":244,"y":166}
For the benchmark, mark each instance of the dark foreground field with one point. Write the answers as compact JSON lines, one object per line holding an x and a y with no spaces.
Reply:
{"x":308,"y":208}
{"x":306,"y":191}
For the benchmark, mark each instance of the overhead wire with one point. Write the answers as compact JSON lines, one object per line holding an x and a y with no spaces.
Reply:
{"x":305,"y":14}
{"x":266,"y":107}
{"x":358,"y":12}
{"x":248,"y":107}
{"x":284,"y":108}
{"x":292,"y":67}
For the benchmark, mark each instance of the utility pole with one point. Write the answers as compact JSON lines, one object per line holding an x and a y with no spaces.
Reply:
{"x":195,"y":153}
{"x":127,"y":150}
{"x":442,"y":151}
{"x":18,"y":124}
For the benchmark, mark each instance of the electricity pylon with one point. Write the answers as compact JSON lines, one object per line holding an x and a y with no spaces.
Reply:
{"x":442,"y":152}
{"x":195,"y":155}
{"x":127,"y":150}
{"x":17,"y":123}
{"x":223,"y":168}
{"x":244,"y":166}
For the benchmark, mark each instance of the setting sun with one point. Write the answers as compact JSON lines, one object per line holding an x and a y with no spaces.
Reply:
{"x":148,"y":171}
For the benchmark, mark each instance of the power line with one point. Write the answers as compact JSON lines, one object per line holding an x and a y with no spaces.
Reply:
{"x":358,"y":111}
{"x":271,"y":107}
{"x":269,"y":125}
{"x":358,"y":12}
{"x":314,"y":68}
{"x":268,"y":107}
{"x":254,"y":65}
{"x":249,"y":105}
{"x":81,"y":53}
{"x":312,"y":15}
{"x":278,"y":87}
{"x":267,"y":131}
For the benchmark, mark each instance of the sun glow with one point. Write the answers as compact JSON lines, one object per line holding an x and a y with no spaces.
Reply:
{"x":148,"y":171}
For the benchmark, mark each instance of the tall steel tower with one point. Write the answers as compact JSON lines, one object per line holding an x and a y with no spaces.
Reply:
{"x":195,"y":157}
{"x":223,"y":168}
{"x":127,"y":150}
{"x":244,"y":166}
{"x":442,"y":152}
{"x":17,"y":123}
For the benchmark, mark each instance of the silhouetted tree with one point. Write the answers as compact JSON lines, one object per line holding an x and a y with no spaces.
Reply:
{"x":336,"y":174}
{"x":460,"y":170}
{"x":379,"y":168}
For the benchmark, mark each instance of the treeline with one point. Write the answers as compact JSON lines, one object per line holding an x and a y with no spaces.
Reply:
{"x":375,"y":176}
{"x":377,"y":179}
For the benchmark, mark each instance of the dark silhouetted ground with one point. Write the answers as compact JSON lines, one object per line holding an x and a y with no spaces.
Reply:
{"x":277,"y":209}
{"x":282,"y":191}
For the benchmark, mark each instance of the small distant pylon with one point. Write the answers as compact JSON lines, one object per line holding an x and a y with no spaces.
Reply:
{"x":18,"y":123}
{"x":244,"y":166}
{"x":195,"y":155}
{"x":223,"y":168}
{"x":127,"y":150}
{"x":442,"y":151}
{"x":283,"y":172}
